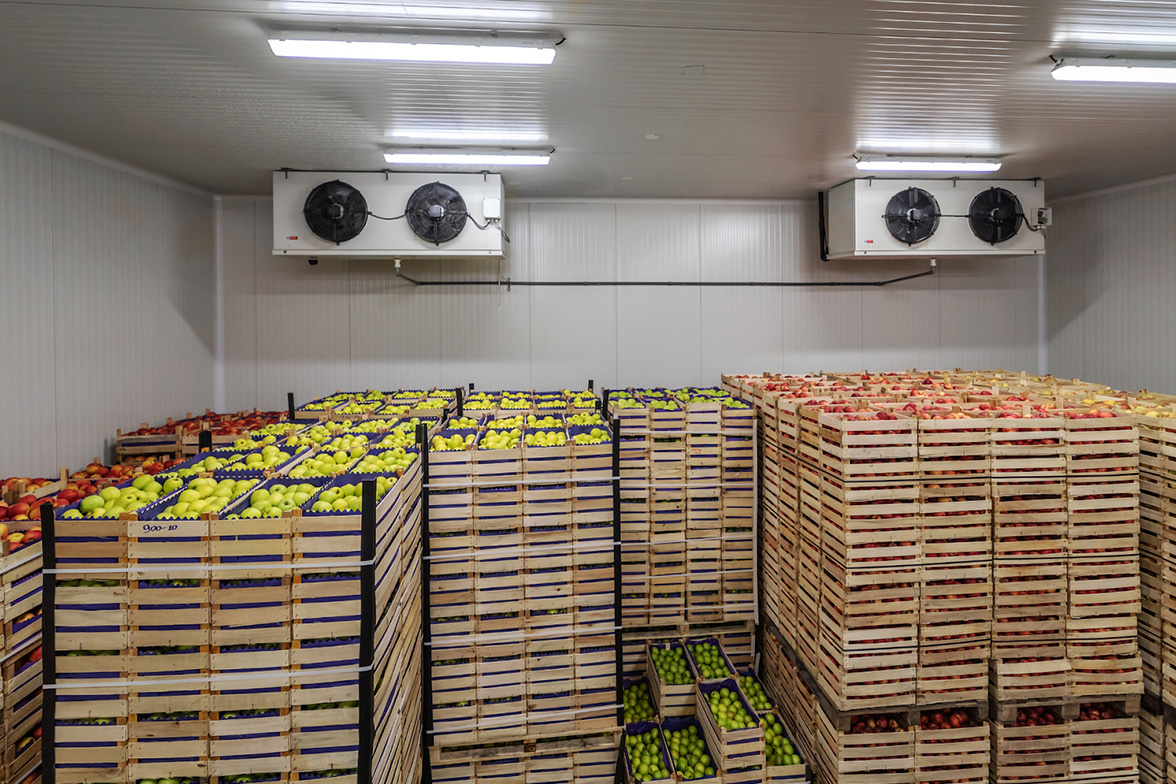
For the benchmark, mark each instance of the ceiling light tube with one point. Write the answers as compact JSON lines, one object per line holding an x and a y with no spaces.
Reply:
{"x":408,"y":47}
{"x":915,"y":163}
{"x":1110,"y":69}
{"x":407,"y":157}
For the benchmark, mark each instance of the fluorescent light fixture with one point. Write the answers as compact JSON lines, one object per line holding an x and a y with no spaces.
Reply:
{"x":468,"y":157}
{"x":915,"y":163}
{"x":470,"y":136}
{"x":413,"y":47}
{"x":1076,"y":69}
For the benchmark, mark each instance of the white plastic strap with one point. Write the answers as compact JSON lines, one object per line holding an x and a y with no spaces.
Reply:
{"x":496,"y":637}
{"x":24,"y":647}
{"x":490,"y":553}
{"x":648,"y":578}
{"x":276,"y":675}
{"x":508,"y":720}
{"x":557,"y":479}
{"x":29,"y":557}
{"x":257,"y":566}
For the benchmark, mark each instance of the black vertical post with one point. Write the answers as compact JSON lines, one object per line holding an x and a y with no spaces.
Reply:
{"x":460,"y":402}
{"x":290,"y":406}
{"x":604,"y":404}
{"x":205,"y":440}
{"x":367,"y":631}
{"x":48,"y":644}
{"x":591,"y":384}
{"x":471,"y":386}
{"x":617,"y":587}
{"x":422,"y":435}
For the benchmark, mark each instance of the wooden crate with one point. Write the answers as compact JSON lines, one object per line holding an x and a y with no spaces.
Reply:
{"x":859,"y":681}
{"x":870,"y":527}
{"x":953,"y":755}
{"x":1028,"y":445}
{"x":952,"y":673}
{"x":670,"y":700}
{"x":1104,"y":587}
{"x":951,"y":447}
{"x":1029,"y":602}
{"x":1106,"y":676}
{"x":639,"y":728}
{"x":855,"y":450}
{"x":733,"y":749}
{"x":1030,"y":519}
{"x":866,"y":758}
{"x":1030,"y":674}
{"x":1103,"y":516}
{"x":1106,"y":746}
{"x":1153,"y":763}
{"x":1100,"y":442}
{"x":956,"y":522}
{"x":1020,"y":752}
{"x":955,"y":604}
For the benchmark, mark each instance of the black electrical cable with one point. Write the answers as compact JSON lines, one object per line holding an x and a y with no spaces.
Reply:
{"x":381,"y":217}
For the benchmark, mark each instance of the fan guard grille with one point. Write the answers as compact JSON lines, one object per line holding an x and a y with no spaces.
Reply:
{"x":912,"y":215}
{"x":436,"y":212}
{"x":335,"y":211}
{"x":995,"y":215}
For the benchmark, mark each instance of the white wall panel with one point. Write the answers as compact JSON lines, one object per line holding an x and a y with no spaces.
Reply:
{"x":1110,"y":280}
{"x":573,"y":330}
{"x":107,"y":306}
{"x":28,"y":393}
{"x":240,"y":246}
{"x":658,"y":328}
{"x":134,"y":291}
{"x":543,"y":337}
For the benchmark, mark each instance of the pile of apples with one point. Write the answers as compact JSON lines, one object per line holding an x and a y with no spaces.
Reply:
{"x":593,"y":436}
{"x":868,"y":724}
{"x":944,"y":720}
{"x":754,"y":693}
{"x":323,"y":464}
{"x":709,"y":661}
{"x":391,"y":461}
{"x":1037,"y":716}
{"x":644,"y":751}
{"x":585,"y":419}
{"x":110,"y":502}
{"x":688,"y":753}
{"x":272,"y":501}
{"x":638,"y":703}
{"x":268,"y":457}
{"x":671,"y":666}
{"x":454,"y":443}
{"x":544,"y":438}
{"x":728,"y":710}
{"x":1098,"y":711}
{"x":778,"y":746}
{"x":500,"y":439}
{"x":206,"y":496}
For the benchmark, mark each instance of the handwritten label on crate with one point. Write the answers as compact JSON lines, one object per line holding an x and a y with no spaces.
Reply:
{"x":166,"y":529}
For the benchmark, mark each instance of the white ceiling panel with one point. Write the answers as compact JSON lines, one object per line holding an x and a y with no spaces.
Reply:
{"x":787,"y":92}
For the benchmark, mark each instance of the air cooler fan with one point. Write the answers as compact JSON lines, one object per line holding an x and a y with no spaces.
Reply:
{"x":995,"y":215}
{"x":335,"y":211}
{"x":912,"y":215}
{"x":436,"y":212}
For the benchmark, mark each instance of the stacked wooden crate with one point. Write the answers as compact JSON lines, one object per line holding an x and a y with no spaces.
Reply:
{"x":238,"y":648}
{"x":21,"y":700}
{"x":1015,"y":516}
{"x":687,"y":492}
{"x":522,"y":589}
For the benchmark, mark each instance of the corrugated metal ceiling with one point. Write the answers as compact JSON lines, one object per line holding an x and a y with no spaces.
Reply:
{"x":189,"y":88}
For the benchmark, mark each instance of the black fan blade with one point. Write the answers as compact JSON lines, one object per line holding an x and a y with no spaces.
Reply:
{"x":335,"y":211}
{"x":436,"y":212}
{"x":995,"y":215}
{"x":912,"y":216}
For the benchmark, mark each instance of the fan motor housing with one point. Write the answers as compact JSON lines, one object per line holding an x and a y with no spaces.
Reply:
{"x":387,"y":194}
{"x":857,"y":226}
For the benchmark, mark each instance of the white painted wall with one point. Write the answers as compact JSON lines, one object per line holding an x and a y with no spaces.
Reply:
{"x":106,"y":303}
{"x":353,"y":324}
{"x":1110,"y":281}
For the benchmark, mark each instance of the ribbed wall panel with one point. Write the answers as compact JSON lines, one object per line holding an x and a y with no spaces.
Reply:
{"x":974,"y":312}
{"x":28,"y":422}
{"x":240,"y":246}
{"x":107,"y":305}
{"x":134,"y":300}
{"x":1110,"y":279}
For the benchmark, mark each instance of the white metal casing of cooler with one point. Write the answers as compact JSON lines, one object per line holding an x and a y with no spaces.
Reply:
{"x":386,"y":194}
{"x":855,"y":227}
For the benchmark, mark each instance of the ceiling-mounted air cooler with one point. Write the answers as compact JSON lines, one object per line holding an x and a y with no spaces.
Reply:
{"x":904,"y":218}
{"x":386,"y":215}
{"x":912,"y":215}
